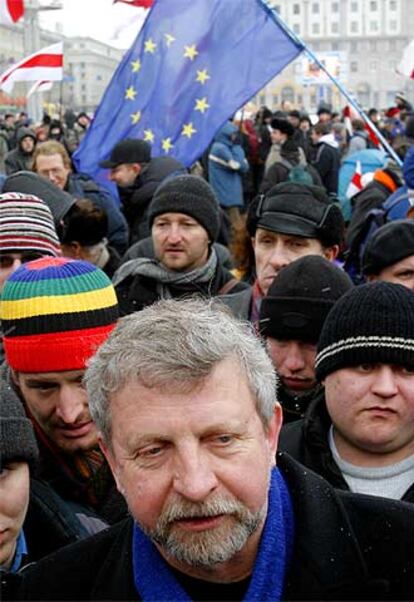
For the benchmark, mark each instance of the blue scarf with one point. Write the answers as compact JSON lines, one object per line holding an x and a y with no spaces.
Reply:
{"x":154,"y":580}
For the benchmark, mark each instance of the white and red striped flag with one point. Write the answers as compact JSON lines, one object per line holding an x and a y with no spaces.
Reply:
{"x":39,"y":86}
{"x":11,"y":11}
{"x":406,"y":65}
{"x":142,"y":3}
{"x":355,"y":185}
{"x":46,"y":64}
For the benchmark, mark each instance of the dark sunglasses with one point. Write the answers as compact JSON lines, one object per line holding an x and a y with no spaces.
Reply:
{"x":6,"y":261}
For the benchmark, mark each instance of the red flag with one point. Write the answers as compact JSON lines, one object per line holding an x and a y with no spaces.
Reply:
{"x":142,"y":3}
{"x":11,"y":11}
{"x":355,"y":185}
{"x":46,"y":64}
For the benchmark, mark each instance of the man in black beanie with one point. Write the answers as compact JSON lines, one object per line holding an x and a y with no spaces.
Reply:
{"x":184,"y":219}
{"x":291,"y":319}
{"x":361,"y":436}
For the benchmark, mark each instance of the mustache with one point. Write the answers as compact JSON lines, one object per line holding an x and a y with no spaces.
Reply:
{"x":184,"y":510}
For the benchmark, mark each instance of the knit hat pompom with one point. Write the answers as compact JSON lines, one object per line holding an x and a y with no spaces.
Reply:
{"x":26,"y":224}
{"x":190,"y":195}
{"x":372,"y":323}
{"x":55,"y":313}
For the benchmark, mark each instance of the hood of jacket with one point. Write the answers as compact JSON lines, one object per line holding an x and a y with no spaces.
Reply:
{"x":224,"y":135}
{"x":329,"y":139}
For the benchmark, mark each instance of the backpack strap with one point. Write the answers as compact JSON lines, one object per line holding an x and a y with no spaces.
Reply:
{"x":228,"y":286}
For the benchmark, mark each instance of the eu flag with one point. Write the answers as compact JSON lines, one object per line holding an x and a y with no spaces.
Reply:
{"x":193,"y":64}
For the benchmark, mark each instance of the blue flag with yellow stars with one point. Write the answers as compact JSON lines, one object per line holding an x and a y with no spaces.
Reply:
{"x":193,"y":64}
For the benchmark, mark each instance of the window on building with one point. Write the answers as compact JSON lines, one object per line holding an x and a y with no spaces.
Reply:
{"x":354,"y":26}
{"x":288,"y":94}
{"x":334,"y":27}
{"x":373,"y":45}
{"x":353,"y":47}
{"x":373,"y":5}
{"x":262,"y":99}
{"x":277,"y":8}
{"x":392,"y":45}
{"x":335,"y":46}
{"x":393,"y":5}
{"x":373,"y":25}
{"x":315,"y":8}
{"x":335,"y":7}
{"x":275,"y":100}
{"x":393,"y":25}
{"x":354,"y":7}
{"x":296,"y":9}
{"x":296,"y":28}
{"x":353,"y":66}
{"x":315,"y":28}
{"x":82,"y":65}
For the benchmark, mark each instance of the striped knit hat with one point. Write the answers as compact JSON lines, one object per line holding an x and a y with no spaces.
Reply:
{"x":55,"y":313}
{"x":372,"y":323}
{"x":26,"y":224}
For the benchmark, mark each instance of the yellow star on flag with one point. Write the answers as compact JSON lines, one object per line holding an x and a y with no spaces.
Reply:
{"x":136,"y":65}
{"x":130,"y":93}
{"x":188,"y":130}
{"x":136,"y":117}
{"x":201,"y":105}
{"x":148,"y":135}
{"x":202,"y":76}
{"x":190,"y":52}
{"x":166,"y":145}
{"x":169,"y":39}
{"x":150,"y":46}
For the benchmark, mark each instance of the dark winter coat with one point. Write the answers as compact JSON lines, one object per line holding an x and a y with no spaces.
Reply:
{"x":279,"y":171}
{"x":17,"y":159}
{"x":327,"y":162}
{"x":136,"y":292}
{"x":346,"y":547}
{"x":307,"y":441}
{"x":135,"y":199}
{"x":83,"y":186}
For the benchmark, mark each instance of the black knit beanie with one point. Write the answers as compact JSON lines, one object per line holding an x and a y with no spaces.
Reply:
{"x":300,"y":298}
{"x":190,"y":195}
{"x":390,"y":243}
{"x":372,"y":323}
{"x":17,"y":439}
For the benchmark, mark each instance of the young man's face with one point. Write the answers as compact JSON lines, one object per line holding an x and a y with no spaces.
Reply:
{"x":273,"y":251}
{"x":180,"y":242}
{"x":194,"y":465}
{"x":372,"y":409}
{"x":401,"y":272}
{"x":294,"y":362}
{"x":125,"y":174}
{"x":59,"y":404}
{"x":27,"y":144}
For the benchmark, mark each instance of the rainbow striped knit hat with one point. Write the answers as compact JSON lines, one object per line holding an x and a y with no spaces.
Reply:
{"x":55,"y":313}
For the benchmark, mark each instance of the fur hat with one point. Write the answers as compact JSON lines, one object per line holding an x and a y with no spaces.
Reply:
{"x":191,"y":195}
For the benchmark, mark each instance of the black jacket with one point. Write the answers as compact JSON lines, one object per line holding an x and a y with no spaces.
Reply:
{"x":17,"y":159}
{"x":307,"y":441}
{"x":327,"y":163}
{"x":136,"y":199}
{"x":347,"y":547}
{"x":136,"y":292}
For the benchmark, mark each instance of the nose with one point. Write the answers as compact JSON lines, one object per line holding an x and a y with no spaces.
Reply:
{"x":294,"y":360}
{"x":384,"y":384}
{"x":112,"y":176}
{"x":71,"y":404}
{"x":279,"y":257}
{"x":174,"y":233}
{"x":194,"y":479}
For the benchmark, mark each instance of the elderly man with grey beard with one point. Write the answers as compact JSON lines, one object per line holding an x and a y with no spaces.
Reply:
{"x":183,"y":395}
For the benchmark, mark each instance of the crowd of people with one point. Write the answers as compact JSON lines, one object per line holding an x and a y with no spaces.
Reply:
{"x":206,"y":384}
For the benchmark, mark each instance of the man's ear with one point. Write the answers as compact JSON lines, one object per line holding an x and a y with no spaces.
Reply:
{"x":331,"y":253}
{"x":110,"y":458}
{"x":15,"y":377}
{"x":273,"y":431}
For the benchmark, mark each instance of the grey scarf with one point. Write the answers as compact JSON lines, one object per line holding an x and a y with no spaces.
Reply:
{"x":164,"y":277}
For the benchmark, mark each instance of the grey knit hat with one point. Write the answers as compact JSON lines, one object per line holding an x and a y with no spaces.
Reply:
{"x":17,"y":439}
{"x":372,"y":323}
{"x":190,"y":195}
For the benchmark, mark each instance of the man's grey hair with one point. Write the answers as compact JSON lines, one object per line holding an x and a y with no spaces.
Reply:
{"x":176,"y":344}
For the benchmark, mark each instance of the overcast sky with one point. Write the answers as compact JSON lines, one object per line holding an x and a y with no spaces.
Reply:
{"x":99,"y":19}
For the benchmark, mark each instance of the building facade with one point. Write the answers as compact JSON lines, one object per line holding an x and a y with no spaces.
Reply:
{"x":364,"y":39}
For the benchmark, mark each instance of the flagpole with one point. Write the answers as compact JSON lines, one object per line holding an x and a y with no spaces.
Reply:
{"x":352,"y":101}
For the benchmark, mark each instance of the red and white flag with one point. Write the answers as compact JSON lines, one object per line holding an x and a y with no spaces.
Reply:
{"x":406,"y":65}
{"x":11,"y":11}
{"x":46,"y":64}
{"x":355,"y":185}
{"x":39,"y":86}
{"x":142,"y":3}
